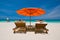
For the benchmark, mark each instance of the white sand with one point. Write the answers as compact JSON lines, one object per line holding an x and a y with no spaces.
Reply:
{"x":6,"y":32}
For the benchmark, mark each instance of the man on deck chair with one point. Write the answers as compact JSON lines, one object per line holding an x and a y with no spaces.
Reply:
{"x":20,"y":27}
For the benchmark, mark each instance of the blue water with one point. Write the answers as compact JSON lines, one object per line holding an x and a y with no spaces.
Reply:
{"x":57,"y":21}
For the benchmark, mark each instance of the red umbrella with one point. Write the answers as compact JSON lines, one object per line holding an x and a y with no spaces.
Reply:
{"x":31,"y":12}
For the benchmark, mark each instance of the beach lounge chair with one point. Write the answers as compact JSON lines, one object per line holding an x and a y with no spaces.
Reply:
{"x":41,"y":28}
{"x":20,"y":27}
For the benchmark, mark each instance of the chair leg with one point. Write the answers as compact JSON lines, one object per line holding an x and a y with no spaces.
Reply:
{"x":14,"y":32}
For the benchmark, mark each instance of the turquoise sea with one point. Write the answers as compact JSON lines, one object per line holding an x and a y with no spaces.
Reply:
{"x":49,"y":21}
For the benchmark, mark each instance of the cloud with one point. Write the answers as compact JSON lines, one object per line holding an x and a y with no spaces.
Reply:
{"x":6,"y":11}
{"x":54,"y":14}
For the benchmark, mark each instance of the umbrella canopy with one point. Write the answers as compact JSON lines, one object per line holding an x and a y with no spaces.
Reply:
{"x":31,"y":11}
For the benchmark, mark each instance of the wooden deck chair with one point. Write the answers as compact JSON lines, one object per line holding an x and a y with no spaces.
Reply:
{"x":20,"y":27}
{"x":40,"y":28}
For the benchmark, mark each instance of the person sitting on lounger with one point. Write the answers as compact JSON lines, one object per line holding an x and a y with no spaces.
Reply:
{"x":20,"y":21}
{"x":41,"y":22}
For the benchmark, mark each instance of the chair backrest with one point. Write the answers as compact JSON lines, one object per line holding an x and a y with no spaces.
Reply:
{"x":20,"y":24}
{"x":40,"y":25}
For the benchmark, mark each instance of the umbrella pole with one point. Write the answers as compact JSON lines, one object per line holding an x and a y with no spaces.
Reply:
{"x":30,"y":20}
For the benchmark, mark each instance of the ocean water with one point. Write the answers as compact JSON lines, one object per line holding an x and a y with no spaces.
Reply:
{"x":49,"y":21}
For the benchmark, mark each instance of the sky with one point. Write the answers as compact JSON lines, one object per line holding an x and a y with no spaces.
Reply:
{"x":8,"y":8}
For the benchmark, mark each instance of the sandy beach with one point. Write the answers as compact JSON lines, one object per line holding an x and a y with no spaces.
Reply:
{"x":6,"y":32}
